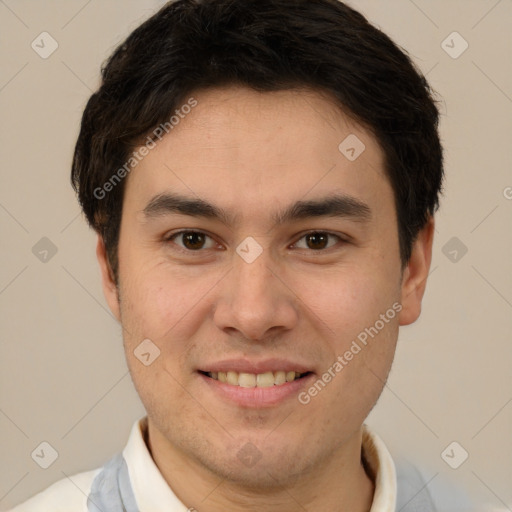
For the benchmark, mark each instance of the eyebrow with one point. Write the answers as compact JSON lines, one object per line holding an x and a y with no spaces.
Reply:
{"x":337,"y":205}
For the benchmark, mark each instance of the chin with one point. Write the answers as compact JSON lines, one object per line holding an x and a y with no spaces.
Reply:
{"x":271,"y":467}
{"x":262,"y":476}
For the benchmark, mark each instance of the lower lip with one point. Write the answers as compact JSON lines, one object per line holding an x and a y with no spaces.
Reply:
{"x":257,"y":397}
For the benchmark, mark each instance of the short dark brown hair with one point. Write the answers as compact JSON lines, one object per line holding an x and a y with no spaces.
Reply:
{"x":267,"y":45}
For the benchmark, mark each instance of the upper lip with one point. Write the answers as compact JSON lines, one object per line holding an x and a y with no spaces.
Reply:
{"x":251,"y":366}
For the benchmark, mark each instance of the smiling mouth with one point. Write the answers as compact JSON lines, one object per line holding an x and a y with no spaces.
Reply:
{"x":252,"y":380}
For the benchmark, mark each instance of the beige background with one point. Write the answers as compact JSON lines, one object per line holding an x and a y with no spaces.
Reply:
{"x":63,"y":376}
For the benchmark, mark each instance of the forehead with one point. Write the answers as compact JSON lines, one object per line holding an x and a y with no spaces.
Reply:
{"x":251,"y":151}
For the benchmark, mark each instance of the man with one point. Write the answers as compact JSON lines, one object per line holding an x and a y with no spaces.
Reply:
{"x":263,"y":177}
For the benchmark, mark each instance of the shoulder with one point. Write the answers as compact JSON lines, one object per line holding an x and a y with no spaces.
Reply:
{"x":66,"y":495}
{"x":413,"y":488}
{"x":419,"y":490}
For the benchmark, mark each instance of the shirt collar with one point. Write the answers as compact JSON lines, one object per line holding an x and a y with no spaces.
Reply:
{"x":149,"y":487}
{"x":382,"y":469}
{"x":152,"y":492}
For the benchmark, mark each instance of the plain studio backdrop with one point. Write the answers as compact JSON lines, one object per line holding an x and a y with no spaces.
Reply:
{"x":448,"y":402}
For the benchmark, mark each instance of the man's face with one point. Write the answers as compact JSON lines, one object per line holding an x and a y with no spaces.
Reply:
{"x":292,"y":297}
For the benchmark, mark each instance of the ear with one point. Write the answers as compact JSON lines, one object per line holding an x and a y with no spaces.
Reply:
{"x":107,"y":279}
{"x":415,"y":274}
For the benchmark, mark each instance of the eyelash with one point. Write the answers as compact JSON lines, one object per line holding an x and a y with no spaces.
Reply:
{"x":171,"y":238}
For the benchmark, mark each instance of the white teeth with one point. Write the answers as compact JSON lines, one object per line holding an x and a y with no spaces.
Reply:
{"x":247,"y":380}
{"x":280,"y":378}
{"x":251,"y":380}
{"x":265,"y":380}
{"x":232,"y":378}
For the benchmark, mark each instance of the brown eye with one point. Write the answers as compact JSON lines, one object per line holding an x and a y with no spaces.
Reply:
{"x":317,"y":240}
{"x":191,"y":240}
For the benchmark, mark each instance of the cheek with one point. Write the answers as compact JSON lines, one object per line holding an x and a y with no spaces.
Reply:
{"x":347,"y":300}
{"x":358,"y":312}
{"x":164,"y":302}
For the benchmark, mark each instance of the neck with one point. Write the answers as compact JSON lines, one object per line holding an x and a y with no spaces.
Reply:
{"x":339,"y":483}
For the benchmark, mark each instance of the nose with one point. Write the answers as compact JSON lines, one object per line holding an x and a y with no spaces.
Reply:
{"x":254,"y":300}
